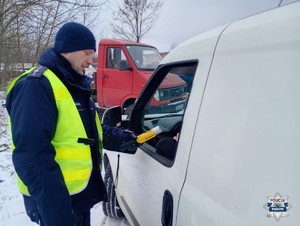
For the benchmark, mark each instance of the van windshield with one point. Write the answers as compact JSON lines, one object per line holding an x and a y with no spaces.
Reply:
{"x":145,"y":58}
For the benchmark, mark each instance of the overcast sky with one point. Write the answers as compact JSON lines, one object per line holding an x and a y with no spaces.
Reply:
{"x":180,"y":20}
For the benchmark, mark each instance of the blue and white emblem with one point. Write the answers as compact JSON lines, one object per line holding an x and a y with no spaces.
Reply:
{"x":277,"y":206}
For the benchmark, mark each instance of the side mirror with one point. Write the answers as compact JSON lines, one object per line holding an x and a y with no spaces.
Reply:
{"x":112,"y":116}
{"x":127,"y":111}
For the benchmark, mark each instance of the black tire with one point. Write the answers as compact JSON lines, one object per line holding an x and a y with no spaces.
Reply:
{"x":110,"y":208}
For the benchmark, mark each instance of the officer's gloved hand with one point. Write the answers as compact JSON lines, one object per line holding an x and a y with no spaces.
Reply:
{"x":32,"y":210}
{"x":128,"y":143}
{"x":34,"y":216}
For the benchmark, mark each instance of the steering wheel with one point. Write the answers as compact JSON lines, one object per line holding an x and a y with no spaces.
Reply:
{"x":170,"y":126}
{"x":176,"y":129}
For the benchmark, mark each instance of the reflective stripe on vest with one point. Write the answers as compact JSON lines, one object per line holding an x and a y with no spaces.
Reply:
{"x":73,"y":158}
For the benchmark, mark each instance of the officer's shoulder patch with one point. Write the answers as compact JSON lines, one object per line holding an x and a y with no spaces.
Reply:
{"x":38,"y":71}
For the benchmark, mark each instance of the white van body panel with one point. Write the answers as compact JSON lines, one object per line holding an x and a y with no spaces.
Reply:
{"x":195,"y":47}
{"x":246,"y":143}
{"x":142,"y":180}
{"x":239,"y":141}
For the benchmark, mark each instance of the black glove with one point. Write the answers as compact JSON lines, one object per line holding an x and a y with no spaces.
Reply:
{"x":129,"y":142}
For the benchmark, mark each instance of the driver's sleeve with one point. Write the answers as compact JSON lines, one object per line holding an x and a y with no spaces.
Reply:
{"x":167,"y":147}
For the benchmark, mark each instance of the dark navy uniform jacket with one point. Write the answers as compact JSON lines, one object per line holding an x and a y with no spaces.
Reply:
{"x":32,"y":109}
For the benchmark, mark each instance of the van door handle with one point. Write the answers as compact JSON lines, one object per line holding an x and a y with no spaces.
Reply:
{"x":167,"y":209}
{"x":105,"y":76}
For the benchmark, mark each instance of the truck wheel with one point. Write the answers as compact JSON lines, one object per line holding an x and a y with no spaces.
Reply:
{"x":110,"y":208}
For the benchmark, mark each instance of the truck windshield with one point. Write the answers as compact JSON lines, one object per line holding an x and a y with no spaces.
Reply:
{"x":145,"y":58}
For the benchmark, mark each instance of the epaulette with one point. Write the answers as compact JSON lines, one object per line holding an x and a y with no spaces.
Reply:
{"x":38,"y":71}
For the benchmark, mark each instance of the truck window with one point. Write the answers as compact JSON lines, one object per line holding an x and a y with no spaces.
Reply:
{"x":115,"y":58}
{"x":144,"y":57}
{"x":166,"y":109}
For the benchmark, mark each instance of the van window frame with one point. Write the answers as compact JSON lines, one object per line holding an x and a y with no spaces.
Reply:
{"x":138,"y":112}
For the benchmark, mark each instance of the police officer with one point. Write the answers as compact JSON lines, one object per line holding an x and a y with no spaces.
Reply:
{"x":57,"y":137}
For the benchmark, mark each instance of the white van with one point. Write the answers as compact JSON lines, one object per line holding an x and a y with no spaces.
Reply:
{"x":238,"y":155}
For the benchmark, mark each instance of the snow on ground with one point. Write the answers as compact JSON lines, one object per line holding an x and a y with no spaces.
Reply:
{"x":12,"y":211}
{"x":11,"y":204}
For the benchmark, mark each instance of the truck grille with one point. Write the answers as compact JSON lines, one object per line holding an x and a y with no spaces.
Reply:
{"x":176,"y":92}
{"x":171,"y":93}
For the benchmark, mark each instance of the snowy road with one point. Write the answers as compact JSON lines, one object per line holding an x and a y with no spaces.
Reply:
{"x":12,"y":212}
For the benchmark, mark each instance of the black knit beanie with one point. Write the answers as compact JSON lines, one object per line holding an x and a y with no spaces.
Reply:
{"x":72,"y":37}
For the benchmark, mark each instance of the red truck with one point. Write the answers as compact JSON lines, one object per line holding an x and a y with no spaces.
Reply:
{"x":123,"y":69}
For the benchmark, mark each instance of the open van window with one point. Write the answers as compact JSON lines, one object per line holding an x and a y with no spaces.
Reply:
{"x":169,"y":116}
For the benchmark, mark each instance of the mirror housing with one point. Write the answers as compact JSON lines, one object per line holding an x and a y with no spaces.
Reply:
{"x":112,"y":116}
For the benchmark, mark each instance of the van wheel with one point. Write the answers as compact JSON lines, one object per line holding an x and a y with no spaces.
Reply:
{"x":110,"y":208}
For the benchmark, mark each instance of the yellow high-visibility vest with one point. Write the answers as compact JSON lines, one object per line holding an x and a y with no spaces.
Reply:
{"x":74,"y":158}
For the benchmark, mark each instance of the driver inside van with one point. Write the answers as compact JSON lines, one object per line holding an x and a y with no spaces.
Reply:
{"x":167,"y":146}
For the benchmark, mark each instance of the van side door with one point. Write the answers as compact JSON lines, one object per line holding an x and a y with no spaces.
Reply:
{"x":149,"y":182}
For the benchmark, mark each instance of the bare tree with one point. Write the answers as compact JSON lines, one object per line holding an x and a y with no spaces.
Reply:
{"x":27,"y":28}
{"x":10,"y":11}
{"x":135,"y":18}
{"x":51,"y":15}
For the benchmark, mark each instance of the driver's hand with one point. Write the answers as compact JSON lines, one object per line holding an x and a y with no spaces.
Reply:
{"x":176,"y":137}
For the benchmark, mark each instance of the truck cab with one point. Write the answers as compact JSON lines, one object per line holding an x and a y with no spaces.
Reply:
{"x":123,"y":69}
